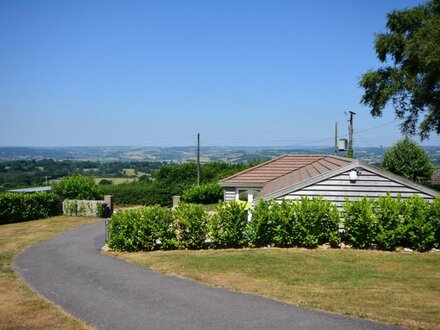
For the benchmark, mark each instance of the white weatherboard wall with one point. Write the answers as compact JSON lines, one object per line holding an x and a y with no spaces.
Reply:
{"x":229,"y":194}
{"x":369,"y":184}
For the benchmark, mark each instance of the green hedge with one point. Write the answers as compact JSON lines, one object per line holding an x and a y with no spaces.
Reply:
{"x":204,"y":194}
{"x":16,"y":207}
{"x":228,"y":226}
{"x":390,"y":223}
{"x":387,"y":223}
{"x":147,"y":229}
{"x":138,"y":193}
{"x":305,"y":222}
{"x":191,"y":224}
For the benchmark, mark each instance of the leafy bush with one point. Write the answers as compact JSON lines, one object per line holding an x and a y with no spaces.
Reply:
{"x":190,"y":221}
{"x":138,"y":193}
{"x":317,"y":222}
{"x":434,"y":217}
{"x":262,"y":227}
{"x":228,"y":226}
{"x":284,"y":221}
{"x":390,"y":224}
{"x":77,"y":187}
{"x":16,"y":207}
{"x":419,"y":232}
{"x":360,"y":222}
{"x":142,"y":229}
{"x":305,"y":222}
{"x":204,"y":194}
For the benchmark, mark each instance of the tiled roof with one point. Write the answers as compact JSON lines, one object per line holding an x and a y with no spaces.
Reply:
{"x":311,"y":170}
{"x":287,"y":170}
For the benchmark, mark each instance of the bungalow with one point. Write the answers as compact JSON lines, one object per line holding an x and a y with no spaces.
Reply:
{"x":332,"y":177}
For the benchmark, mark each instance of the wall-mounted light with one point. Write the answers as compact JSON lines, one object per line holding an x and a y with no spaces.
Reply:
{"x":353,"y":174}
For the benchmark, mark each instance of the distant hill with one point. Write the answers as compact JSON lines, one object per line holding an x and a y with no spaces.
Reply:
{"x":182,"y":154}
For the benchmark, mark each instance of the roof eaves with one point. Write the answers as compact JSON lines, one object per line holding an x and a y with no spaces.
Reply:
{"x":242,"y":184}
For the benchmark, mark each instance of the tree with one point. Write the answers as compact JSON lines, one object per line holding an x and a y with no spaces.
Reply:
{"x":412,"y":83}
{"x":77,"y":187}
{"x":408,"y":159}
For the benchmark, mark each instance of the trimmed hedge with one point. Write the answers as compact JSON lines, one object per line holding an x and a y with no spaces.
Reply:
{"x":305,"y":222}
{"x":143,"y":229}
{"x":387,"y":223}
{"x":191,"y":224}
{"x":228,"y":226}
{"x":138,"y":193}
{"x":390,"y":223}
{"x":16,"y":207}
{"x":204,"y":194}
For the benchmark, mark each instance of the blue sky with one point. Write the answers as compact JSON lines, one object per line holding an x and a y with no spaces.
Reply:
{"x":79,"y":73}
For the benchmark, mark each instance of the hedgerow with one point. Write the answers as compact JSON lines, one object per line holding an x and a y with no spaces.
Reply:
{"x":191,"y":224}
{"x":204,"y":194}
{"x":147,"y":229}
{"x":228,"y":226}
{"x":387,"y":223}
{"x":16,"y":207}
{"x":304,"y":222}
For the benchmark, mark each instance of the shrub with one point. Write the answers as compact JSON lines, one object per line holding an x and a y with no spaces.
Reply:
{"x":305,"y":222}
{"x":390,"y":226}
{"x":190,"y":221}
{"x":261,"y":229}
{"x":228,"y":226}
{"x":142,"y":229}
{"x":434,"y":218}
{"x":204,"y":194}
{"x":284,"y":221}
{"x":419,"y":232}
{"x":317,"y":222}
{"x":360,"y":222}
{"x":138,"y":193}
{"x":77,"y":187}
{"x":16,"y":207}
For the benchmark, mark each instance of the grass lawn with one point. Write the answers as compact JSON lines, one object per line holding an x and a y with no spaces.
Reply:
{"x":21,"y":308}
{"x":398,"y":288}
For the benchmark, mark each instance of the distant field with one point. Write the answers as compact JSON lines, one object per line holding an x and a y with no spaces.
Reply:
{"x":129,"y":172}
{"x":116,"y":180}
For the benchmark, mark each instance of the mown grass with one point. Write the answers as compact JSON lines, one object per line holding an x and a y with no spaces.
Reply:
{"x":21,"y":308}
{"x":396,"y":288}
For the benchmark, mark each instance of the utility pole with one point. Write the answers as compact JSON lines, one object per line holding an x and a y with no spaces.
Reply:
{"x":350,"y":152}
{"x":198,"y":159}
{"x":336,"y":137}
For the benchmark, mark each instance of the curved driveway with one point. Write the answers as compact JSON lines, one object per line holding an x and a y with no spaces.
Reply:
{"x":109,"y":293}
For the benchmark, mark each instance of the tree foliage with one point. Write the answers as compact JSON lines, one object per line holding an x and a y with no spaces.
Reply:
{"x":77,"y":187}
{"x":408,"y":159}
{"x":410,"y":76}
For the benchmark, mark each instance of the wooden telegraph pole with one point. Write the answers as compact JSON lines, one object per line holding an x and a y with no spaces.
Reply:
{"x":350,"y":152}
{"x":336,"y":138}
{"x":198,"y":159}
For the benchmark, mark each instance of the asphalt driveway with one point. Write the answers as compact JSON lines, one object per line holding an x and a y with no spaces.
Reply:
{"x":112,"y":294}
